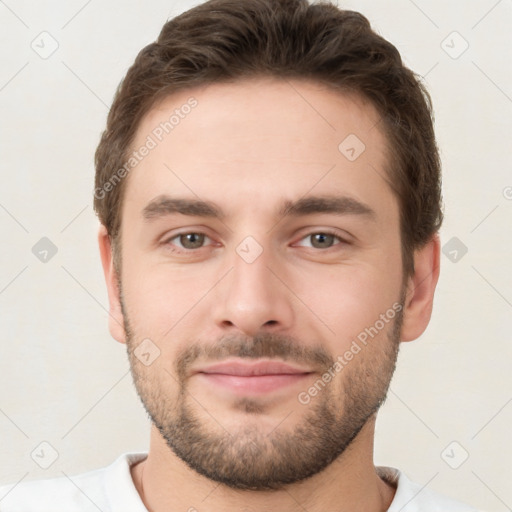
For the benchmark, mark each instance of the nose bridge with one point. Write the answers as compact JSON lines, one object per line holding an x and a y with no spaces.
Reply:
{"x":251,"y":276}
{"x":252,"y":298}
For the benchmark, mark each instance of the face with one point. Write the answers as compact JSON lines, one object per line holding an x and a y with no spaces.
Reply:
{"x":261,"y":282}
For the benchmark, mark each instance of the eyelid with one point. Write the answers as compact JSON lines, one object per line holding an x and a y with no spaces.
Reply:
{"x":166,"y":240}
{"x":342,"y":239}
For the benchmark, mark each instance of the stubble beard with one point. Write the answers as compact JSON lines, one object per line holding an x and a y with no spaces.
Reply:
{"x":247,"y":458}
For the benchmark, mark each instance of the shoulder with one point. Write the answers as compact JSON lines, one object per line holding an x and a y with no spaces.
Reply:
{"x":97,"y":489}
{"x":412,"y":497}
{"x":57,"y":494}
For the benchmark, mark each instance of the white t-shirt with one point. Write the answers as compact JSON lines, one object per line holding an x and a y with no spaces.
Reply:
{"x":111,"y":489}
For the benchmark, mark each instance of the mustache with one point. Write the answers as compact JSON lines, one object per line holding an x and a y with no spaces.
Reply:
{"x":262,"y":345}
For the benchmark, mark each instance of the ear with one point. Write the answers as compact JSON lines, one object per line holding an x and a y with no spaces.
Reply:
{"x":116,"y":323}
{"x":420,"y":290}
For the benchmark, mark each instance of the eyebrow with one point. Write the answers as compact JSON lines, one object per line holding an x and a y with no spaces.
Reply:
{"x":166,"y":205}
{"x":339,"y":205}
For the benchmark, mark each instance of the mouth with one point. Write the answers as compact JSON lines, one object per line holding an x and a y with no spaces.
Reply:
{"x":242,"y":377}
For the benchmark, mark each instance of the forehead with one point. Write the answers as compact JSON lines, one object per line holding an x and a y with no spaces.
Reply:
{"x":259,"y":141}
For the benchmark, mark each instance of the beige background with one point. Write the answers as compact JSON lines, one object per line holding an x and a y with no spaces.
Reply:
{"x":66,"y":382}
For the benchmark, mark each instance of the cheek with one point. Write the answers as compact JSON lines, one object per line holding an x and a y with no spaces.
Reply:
{"x":349,"y":299}
{"x":160,"y":299}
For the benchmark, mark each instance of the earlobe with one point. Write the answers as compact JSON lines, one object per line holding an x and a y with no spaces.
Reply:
{"x":116,"y":321}
{"x":420,"y":290}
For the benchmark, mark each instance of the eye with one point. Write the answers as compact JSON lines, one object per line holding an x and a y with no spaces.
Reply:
{"x":320,"y":240}
{"x":188,"y":241}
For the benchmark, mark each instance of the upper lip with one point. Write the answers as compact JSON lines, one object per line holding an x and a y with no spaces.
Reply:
{"x":245,"y":368}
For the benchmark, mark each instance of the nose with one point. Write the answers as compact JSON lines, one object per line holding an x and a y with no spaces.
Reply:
{"x":252,"y":298}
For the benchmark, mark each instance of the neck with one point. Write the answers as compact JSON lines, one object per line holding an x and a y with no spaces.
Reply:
{"x":350,"y":483}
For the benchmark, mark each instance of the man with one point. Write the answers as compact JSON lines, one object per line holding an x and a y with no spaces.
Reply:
{"x":268,"y":187}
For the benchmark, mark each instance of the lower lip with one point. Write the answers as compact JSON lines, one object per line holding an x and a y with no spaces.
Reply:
{"x":254,"y":384}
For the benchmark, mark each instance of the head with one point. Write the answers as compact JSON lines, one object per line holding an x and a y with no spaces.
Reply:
{"x":268,"y":186}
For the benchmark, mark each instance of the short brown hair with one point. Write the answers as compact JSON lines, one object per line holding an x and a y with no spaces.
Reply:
{"x":229,"y":40}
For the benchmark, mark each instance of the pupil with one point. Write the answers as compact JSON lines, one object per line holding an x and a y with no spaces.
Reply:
{"x":322,"y":240}
{"x":192,"y":240}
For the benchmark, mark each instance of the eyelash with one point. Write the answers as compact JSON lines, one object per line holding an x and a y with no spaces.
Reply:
{"x":322,"y":232}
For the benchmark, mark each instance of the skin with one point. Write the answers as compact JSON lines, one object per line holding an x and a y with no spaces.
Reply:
{"x":246,"y":148}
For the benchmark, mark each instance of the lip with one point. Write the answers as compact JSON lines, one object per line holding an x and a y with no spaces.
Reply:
{"x":249,"y":369}
{"x":255,"y":378}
